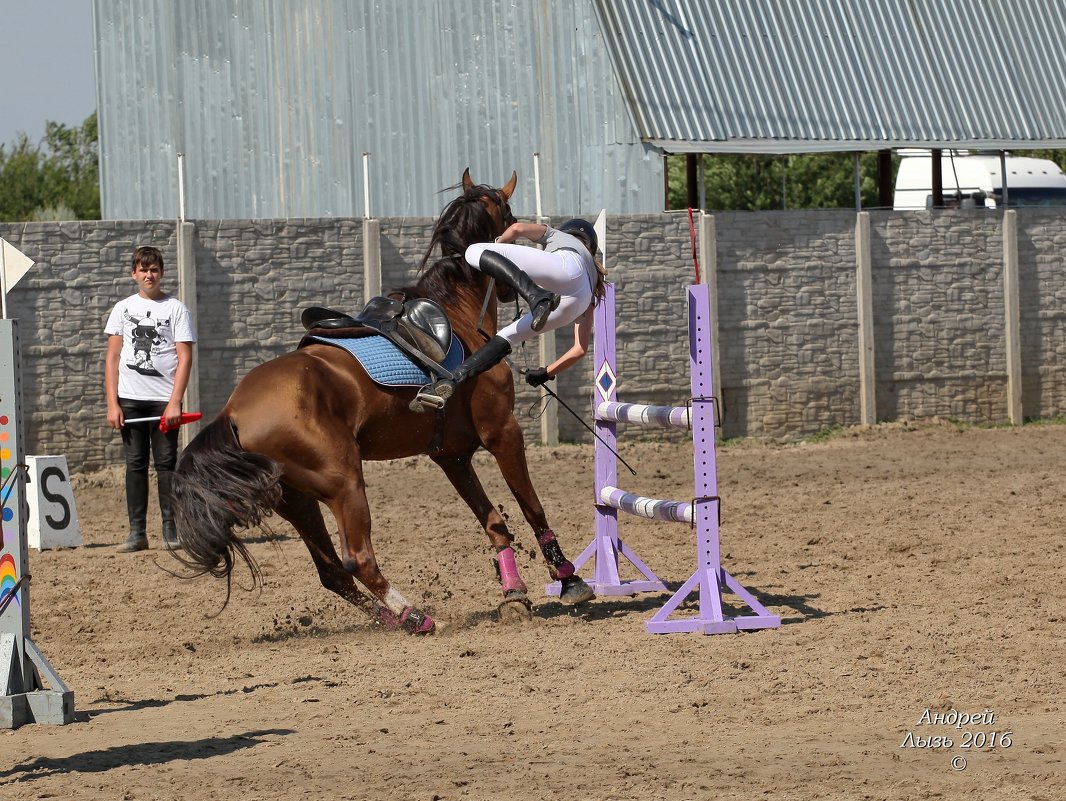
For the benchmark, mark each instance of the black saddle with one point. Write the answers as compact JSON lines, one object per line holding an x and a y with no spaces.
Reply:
{"x":419,"y":327}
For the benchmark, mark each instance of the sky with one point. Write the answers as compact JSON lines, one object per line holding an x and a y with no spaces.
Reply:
{"x":47,"y":69}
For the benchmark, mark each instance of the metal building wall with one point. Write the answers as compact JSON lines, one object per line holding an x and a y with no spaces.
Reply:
{"x":274,"y":102}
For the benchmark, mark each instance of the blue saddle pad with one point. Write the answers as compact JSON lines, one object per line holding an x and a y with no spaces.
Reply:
{"x":386,"y":364}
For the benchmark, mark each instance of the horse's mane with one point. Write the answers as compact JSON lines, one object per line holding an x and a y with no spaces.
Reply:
{"x":463,"y":222}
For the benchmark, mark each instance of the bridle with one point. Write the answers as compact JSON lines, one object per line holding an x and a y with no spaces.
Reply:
{"x":504,"y":208}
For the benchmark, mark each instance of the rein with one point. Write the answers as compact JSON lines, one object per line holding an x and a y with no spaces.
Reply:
{"x":485,"y":304}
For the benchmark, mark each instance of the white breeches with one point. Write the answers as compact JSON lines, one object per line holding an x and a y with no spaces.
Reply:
{"x":563,"y":272}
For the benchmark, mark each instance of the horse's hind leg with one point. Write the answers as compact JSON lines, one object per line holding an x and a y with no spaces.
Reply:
{"x":305,"y":515}
{"x":347,"y":501}
{"x":516,"y":604}
{"x":508,"y":448}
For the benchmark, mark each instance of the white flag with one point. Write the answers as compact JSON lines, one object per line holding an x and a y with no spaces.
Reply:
{"x":16,"y":264}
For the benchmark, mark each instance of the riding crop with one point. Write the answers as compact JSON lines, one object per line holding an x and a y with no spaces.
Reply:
{"x":587,"y":426}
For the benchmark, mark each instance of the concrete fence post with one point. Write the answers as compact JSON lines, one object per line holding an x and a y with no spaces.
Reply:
{"x":865,"y":304}
{"x":1012,"y":318}
{"x":708,"y":253}
{"x":371,"y":259}
{"x":187,"y":294}
{"x":549,"y":419}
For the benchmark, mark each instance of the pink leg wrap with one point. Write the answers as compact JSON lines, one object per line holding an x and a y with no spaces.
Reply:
{"x":509,"y":578}
{"x":559,"y":567}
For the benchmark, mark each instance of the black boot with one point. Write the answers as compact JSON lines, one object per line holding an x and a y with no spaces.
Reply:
{"x":137,"y":509}
{"x":541,"y":301}
{"x":166,"y":510}
{"x":487,"y":356}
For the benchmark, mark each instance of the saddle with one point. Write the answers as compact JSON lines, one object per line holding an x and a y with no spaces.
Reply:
{"x":419,"y":327}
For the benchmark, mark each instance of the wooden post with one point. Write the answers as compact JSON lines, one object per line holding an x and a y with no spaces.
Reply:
{"x":936,"y":165}
{"x":885,"y":189}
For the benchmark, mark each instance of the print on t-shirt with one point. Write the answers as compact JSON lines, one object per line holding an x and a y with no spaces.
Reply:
{"x":146,"y":337}
{"x":150,"y":331}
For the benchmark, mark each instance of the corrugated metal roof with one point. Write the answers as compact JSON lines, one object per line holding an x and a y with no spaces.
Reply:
{"x":779,"y":76}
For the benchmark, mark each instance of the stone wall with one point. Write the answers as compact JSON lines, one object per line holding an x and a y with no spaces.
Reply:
{"x":939,"y":316}
{"x":1042,"y":279}
{"x":786,"y":287}
{"x":788,"y":323}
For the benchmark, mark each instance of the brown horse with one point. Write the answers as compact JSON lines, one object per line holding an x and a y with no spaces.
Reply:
{"x":296,"y":430}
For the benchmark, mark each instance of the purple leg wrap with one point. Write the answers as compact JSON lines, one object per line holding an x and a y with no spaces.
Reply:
{"x":559,"y":567}
{"x":509,"y":578}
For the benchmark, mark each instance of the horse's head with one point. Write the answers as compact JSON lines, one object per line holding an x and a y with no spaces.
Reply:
{"x":480,"y":214}
{"x":495,"y":201}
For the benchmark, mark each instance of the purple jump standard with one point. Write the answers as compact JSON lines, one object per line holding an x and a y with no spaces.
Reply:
{"x":709,"y":579}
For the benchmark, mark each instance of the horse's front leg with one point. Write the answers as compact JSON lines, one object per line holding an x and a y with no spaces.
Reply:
{"x":348,"y":503}
{"x":516,"y":604}
{"x":509,"y":449}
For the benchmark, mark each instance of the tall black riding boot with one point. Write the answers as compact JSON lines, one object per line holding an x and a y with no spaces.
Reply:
{"x":166,"y":510}
{"x":137,"y":509}
{"x":541,"y":301}
{"x":487,"y":356}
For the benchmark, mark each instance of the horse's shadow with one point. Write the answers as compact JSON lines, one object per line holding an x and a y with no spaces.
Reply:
{"x":153,"y":753}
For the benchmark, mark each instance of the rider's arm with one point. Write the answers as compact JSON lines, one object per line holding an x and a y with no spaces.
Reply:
{"x":582,"y":333}
{"x":530,"y":231}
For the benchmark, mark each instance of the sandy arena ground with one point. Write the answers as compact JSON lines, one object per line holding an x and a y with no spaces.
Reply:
{"x":914,"y":570}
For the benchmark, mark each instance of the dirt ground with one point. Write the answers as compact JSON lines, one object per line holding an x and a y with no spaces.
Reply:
{"x":917,"y":571}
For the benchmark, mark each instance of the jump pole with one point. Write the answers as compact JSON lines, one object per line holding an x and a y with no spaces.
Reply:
{"x":30,"y":690}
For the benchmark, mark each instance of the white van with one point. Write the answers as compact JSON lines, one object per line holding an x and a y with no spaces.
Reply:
{"x":973,"y":180}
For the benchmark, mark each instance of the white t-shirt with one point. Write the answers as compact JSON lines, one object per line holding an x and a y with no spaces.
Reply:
{"x":149,"y":331}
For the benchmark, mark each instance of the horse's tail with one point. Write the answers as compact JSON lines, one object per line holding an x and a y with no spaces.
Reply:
{"x":218,"y":486}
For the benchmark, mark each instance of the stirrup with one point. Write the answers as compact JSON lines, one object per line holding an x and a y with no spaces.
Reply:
{"x":432,"y":396}
{"x":552,"y":301}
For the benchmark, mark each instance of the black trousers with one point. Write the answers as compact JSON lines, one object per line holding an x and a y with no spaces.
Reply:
{"x":138,"y":440}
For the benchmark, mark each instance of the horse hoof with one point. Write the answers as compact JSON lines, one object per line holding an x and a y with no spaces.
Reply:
{"x":515,"y":608}
{"x":575,"y":591}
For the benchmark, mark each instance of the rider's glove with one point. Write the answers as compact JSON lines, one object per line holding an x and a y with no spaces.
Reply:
{"x":538,"y":376}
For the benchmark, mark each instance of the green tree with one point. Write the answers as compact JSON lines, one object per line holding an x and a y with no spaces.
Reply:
{"x":759,"y":183}
{"x":62,"y":173}
{"x":799,"y":181}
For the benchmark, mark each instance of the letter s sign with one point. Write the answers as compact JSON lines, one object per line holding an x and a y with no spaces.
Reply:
{"x":64,"y":520}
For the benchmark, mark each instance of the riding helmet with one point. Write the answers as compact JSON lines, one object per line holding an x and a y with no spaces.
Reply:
{"x":584,"y":231}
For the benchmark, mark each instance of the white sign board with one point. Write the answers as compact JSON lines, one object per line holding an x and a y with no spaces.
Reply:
{"x":53,"y":519}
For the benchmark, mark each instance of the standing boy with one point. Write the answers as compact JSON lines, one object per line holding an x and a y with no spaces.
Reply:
{"x":149,"y":358}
